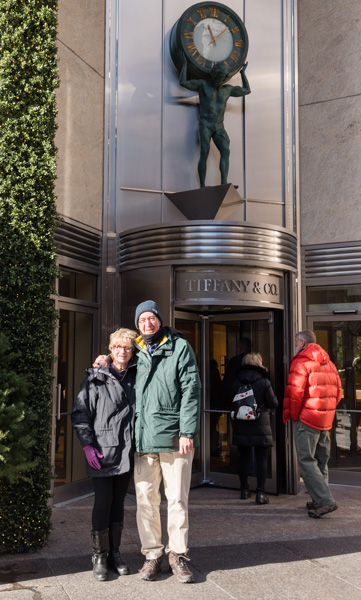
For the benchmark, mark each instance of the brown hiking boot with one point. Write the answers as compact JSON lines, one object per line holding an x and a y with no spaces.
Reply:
{"x":151,"y":568}
{"x":178,"y":566}
{"x":310,"y":505}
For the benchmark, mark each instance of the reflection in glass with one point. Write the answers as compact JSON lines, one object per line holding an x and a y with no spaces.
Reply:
{"x":333,"y":297}
{"x":342,"y":341}
{"x":78,"y":285}
{"x":75,"y":355}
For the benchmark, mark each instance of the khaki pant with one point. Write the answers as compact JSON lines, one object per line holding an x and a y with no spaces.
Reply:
{"x":176,"y":471}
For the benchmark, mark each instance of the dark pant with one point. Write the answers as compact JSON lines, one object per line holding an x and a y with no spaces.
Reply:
{"x":109,"y":499}
{"x":261,"y":454}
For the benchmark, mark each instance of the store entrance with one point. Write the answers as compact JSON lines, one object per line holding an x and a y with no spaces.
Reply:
{"x":218,"y":341}
{"x":341,"y":338}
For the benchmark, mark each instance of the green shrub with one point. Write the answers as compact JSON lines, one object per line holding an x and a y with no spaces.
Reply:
{"x":28,"y":79}
{"x":17,"y":421}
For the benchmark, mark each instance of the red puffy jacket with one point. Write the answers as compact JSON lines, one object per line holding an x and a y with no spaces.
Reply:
{"x":313,"y":389}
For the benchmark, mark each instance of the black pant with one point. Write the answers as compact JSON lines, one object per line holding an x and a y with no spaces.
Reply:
{"x":109,"y":499}
{"x":261,"y":454}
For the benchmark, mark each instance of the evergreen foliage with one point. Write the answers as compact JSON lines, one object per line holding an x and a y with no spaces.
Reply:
{"x":28,"y":79}
{"x":16,"y":420}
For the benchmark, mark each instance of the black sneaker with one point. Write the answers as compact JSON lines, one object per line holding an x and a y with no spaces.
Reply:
{"x":322,"y":510}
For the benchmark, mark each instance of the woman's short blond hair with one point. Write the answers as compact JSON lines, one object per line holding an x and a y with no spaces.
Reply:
{"x":252,"y":358}
{"x":126,"y":336}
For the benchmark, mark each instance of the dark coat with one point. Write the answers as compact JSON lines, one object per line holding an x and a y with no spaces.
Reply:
{"x":258,"y":432}
{"x":103,"y":417}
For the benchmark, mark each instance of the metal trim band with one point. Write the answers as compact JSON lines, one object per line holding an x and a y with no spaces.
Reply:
{"x":199,"y":242}
{"x":78,"y":243}
{"x":331,"y":261}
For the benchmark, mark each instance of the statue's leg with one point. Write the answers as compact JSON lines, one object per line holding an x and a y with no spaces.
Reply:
{"x":204,"y":140}
{"x":222,"y":142}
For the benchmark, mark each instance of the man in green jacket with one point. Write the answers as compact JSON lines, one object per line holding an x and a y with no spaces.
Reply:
{"x":166,"y":433}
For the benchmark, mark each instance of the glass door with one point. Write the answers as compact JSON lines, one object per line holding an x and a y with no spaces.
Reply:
{"x":76,"y":339}
{"x":342,"y":341}
{"x":223,"y":340}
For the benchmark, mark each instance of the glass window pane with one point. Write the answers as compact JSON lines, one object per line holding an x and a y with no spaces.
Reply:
{"x":77,"y":285}
{"x":86,"y":287}
{"x":332,"y":297}
{"x":67,"y":284}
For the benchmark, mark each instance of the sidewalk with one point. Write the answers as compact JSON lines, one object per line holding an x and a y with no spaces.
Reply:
{"x":239,"y":550}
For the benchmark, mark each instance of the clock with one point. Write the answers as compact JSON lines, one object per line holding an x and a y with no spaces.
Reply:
{"x":209,"y":33}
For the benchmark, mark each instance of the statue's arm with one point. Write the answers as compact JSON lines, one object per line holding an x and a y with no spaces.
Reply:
{"x":237,"y":90}
{"x":191,"y":84}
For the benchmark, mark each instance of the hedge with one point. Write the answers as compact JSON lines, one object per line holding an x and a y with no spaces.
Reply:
{"x":28,"y":80}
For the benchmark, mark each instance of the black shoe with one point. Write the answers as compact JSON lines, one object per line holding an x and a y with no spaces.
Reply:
{"x":245,"y":493}
{"x":322,"y":510}
{"x":310,"y":505}
{"x":261,"y":498}
{"x":116,"y":563}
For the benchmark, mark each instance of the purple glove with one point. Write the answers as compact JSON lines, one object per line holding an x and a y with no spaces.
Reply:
{"x":92,"y":456}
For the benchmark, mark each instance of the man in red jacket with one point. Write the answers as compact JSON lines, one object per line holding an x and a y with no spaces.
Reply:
{"x":312,"y":393}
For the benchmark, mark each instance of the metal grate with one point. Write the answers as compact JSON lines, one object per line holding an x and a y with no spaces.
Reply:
{"x":79,"y":244}
{"x":331,"y":261}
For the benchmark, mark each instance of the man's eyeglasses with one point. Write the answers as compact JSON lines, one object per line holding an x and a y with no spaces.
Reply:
{"x":126,"y":348}
{"x":150,"y":319}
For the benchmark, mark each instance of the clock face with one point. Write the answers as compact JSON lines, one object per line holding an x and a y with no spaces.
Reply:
{"x":209,"y":33}
{"x":213,"y":40}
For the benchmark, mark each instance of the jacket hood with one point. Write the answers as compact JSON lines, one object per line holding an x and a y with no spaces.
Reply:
{"x":252,"y":373}
{"x":314,"y":352}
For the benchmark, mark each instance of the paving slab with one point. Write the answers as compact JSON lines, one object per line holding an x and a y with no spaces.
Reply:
{"x":239,"y":550}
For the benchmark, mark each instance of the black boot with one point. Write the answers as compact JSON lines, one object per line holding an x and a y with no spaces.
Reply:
{"x":100,"y":541}
{"x":245,"y":492}
{"x":115,"y":561}
{"x":261,"y":497}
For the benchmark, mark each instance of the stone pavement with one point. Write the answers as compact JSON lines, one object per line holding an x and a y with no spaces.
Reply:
{"x":239,"y":550}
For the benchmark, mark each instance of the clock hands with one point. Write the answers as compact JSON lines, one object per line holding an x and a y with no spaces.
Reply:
{"x":219,"y":35}
{"x":213,"y":38}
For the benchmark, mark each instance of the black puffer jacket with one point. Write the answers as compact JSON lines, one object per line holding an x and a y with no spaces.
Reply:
{"x":258,"y":432}
{"x":103,"y":417}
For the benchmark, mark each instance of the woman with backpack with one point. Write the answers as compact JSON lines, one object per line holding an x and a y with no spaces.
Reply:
{"x":254,"y":432}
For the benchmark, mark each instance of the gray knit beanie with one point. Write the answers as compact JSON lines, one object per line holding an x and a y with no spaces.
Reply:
{"x":147,"y":305}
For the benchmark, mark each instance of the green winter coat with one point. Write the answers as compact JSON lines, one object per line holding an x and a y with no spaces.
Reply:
{"x":167,"y":395}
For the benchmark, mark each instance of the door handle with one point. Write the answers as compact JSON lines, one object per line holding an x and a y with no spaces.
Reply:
{"x":58,"y":402}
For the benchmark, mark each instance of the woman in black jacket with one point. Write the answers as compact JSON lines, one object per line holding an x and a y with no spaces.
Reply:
{"x":103,"y":417}
{"x":256,"y":433}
